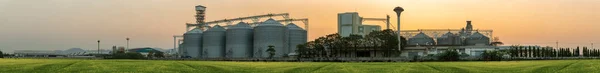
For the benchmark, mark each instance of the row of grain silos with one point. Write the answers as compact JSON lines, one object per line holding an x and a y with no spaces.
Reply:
{"x":449,"y":39}
{"x":244,"y":41}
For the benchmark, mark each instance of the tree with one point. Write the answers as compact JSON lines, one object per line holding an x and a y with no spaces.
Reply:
{"x":585,"y":52}
{"x":159,"y":54}
{"x":1,"y":54}
{"x":448,"y":55}
{"x":271,"y":51}
{"x":491,"y":55}
{"x":150,"y":54}
{"x":576,"y":51}
{"x":387,"y":39}
{"x":134,"y":55}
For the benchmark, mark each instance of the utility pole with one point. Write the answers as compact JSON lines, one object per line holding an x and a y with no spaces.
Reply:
{"x":556,"y":44}
{"x":388,"y":22}
{"x":398,"y":11}
{"x":127,"y":42}
{"x":98,"y":46}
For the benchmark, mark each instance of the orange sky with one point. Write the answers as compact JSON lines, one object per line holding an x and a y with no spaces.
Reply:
{"x":63,"y":24}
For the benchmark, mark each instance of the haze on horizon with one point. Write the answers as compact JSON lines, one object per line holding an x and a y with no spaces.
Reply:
{"x":64,"y":24}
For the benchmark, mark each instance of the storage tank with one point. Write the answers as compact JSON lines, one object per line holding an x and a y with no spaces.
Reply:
{"x":239,"y":40}
{"x":213,"y":42}
{"x":477,"y":39}
{"x":192,"y":43}
{"x":446,"y":39}
{"x":268,"y":33}
{"x":296,"y":36}
{"x":421,"y":39}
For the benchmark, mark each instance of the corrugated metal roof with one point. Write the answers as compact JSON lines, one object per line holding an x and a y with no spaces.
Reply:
{"x":293,"y":26}
{"x":241,"y":25}
{"x":270,"y":22}
{"x":216,"y":28}
{"x":195,"y":30}
{"x":477,"y":35}
{"x":421,"y":35}
{"x":446,"y":35}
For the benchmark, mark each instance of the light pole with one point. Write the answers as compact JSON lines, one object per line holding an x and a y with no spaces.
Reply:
{"x":98,"y":46}
{"x":127,"y":43}
{"x":398,"y":10}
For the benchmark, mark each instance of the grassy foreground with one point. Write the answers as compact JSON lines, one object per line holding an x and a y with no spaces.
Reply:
{"x":106,"y":66}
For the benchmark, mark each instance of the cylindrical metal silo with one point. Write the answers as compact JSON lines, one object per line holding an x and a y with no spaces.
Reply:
{"x":213,"y":42}
{"x":296,"y":36}
{"x":446,"y":39}
{"x":421,"y":39}
{"x":268,"y":33}
{"x":192,"y":43}
{"x":477,"y":38}
{"x":239,"y":41}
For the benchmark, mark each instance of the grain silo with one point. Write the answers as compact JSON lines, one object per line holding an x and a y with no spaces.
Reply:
{"x":477,"y":39}
{"x":213,"y":42}
{"x":269,"y":33}
{"x":446,"y":39}
{"x":239,"y":40}
{"x":296,"y":36}
{"x":421,"y":39}
{"x":192,"y":43}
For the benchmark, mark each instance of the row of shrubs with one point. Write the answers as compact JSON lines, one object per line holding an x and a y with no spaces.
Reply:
{"x":133,"y":55}
{"x":452,"y":55}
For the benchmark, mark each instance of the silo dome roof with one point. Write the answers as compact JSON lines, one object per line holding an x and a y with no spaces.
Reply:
{"x":270,"y":22}
{"x":421,"y":35}
{"x":216,"y":28}
{"x":195,"y":30}
{"x":240,"y":25}
{"x":477,"y":35}
{"x":293,"y":26}
{"x":447,"y":35}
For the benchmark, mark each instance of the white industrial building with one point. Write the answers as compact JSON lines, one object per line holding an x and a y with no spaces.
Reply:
{"x":352,"y":23}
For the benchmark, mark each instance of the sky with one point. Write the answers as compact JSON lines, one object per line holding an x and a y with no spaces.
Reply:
{"x":64,"y":24}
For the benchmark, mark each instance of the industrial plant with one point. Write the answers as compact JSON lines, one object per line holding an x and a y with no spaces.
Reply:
{"x":423,"y":42}
{"x":244,"y":40}
{"x":221,"y":39}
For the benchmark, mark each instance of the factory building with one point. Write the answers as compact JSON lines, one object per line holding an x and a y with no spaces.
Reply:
{"x":465,"y":40}
{"x":352,"y":23}
{"x":209,"y":40}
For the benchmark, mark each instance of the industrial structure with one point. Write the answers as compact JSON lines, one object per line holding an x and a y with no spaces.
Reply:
{"x":422,"y":42}
{"x":466,"y":40}
{"x":244,"y":40}
{"x":351,"y":23}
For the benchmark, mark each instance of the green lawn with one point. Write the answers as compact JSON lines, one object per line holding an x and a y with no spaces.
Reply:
{"x":106,"y":66}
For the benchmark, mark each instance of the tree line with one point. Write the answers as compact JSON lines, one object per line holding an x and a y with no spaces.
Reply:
{"x":333,"y":45}
{"x":536,"y":51}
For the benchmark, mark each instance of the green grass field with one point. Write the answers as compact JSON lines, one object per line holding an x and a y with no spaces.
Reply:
{"x":106,"y":66}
